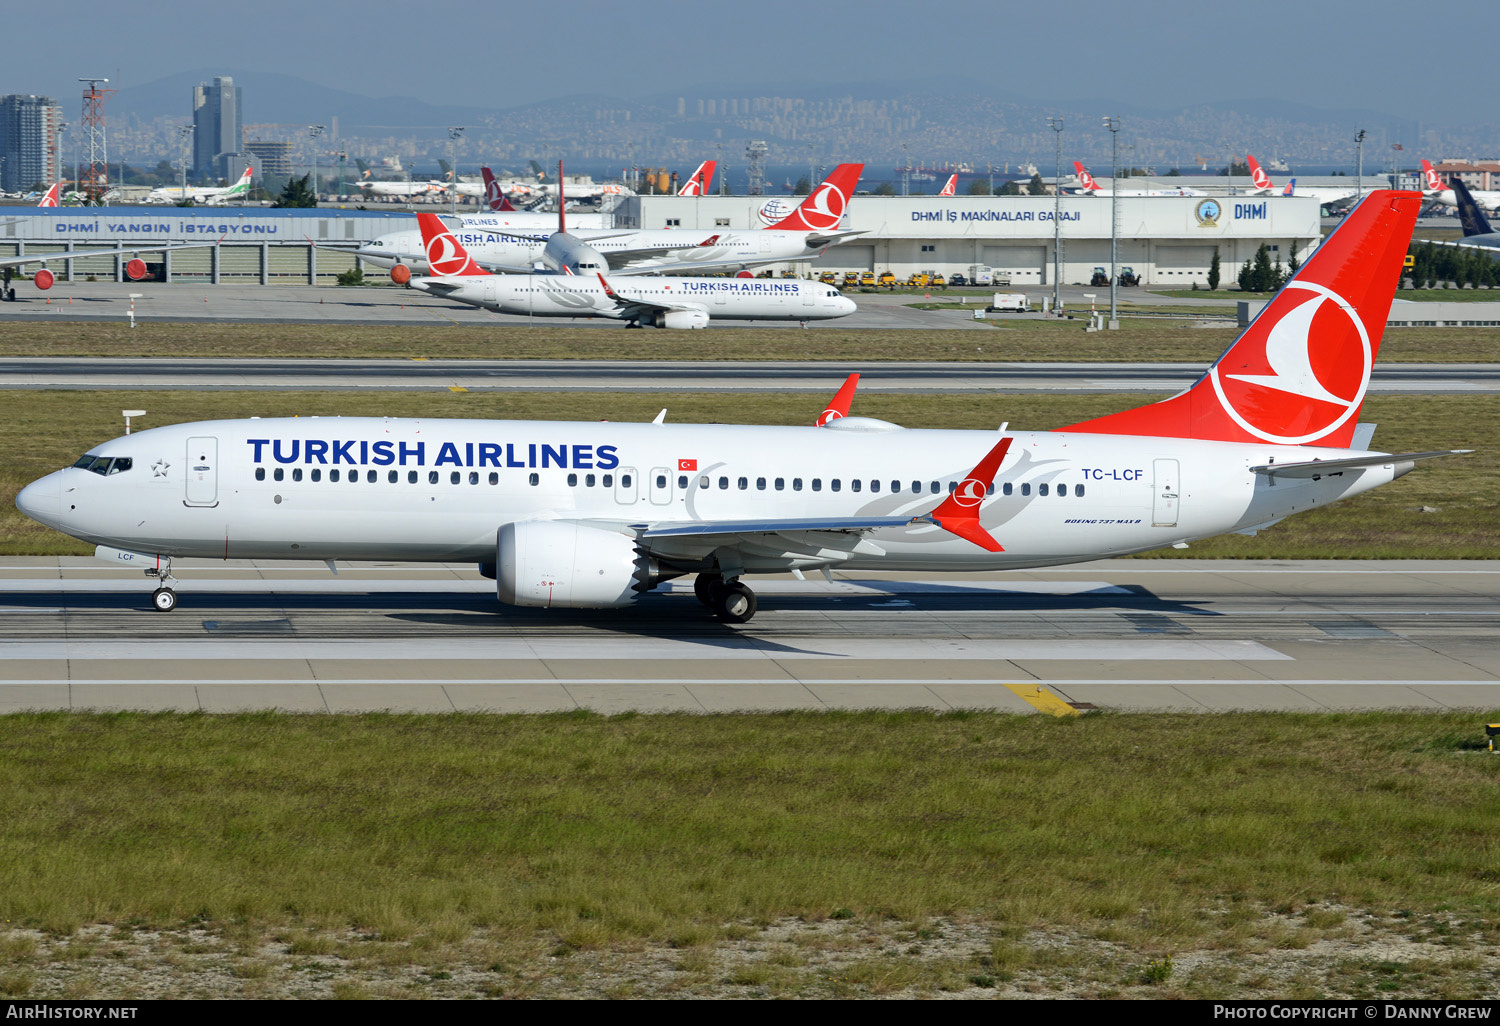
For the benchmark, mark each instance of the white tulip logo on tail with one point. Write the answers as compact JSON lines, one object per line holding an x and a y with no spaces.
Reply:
{"x":444,"y":255}
{"x":1291,"y":392}
{"x":824,"y":209}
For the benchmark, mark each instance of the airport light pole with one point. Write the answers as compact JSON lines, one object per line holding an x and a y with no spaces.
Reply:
{"x":313,"y":132}
{"x":905,"y":170}
{"x":1056,"y":124}
{"x":1112,"y":123}
{"x":183,"y":133}
{"x":1359,"y":165}
{"x":454,"y":131}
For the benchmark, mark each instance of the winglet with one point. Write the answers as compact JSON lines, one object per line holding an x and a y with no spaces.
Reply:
{"x":841,"y":401}
{"x":607,"y":290}
{"x":959,"y":512}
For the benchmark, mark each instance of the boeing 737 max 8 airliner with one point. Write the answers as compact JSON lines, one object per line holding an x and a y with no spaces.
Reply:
{"x":580,"y":515}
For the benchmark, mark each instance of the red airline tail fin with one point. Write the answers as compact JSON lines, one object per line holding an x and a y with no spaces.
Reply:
{"x":824,"y":207}
{"x":1298,"y":374}
{"x":494,"y":196}
{"x":839,"y":407}
{"x":697,"y":185}
{"x":52,"y":197}
{"x":1430,"y":176}
{"x":1085,"y":179}
{"x":951,"y":187}
{"x":446,"y":257}
{"x":1258,"y":175}
{"x":959,"y":512}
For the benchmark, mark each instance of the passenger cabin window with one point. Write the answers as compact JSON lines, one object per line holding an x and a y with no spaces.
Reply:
{"x":260,"y":473}
{"x":317,"y":475}
{"x":296,"y":473}
{"x":494,"y":478}
{"x":796,"y":484}
{"x":454,"y":477}
{"x":432,"y":477}
{"x":1041,"y":489}
{"x":278,"y":474}
{"x":1007,"y":488}
{"x":682,"y":481}
{"x":1026,"y":489}
{"x":744,"y":483}
{"x":411,"y":477}
{"x":535,"y":478}
{"x":394,"y":476}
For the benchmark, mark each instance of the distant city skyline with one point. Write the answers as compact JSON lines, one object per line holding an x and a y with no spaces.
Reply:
{"x":1163,"y":55}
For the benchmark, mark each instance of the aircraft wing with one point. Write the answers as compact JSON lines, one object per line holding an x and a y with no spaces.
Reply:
{"x":63,"y":256}
{"x":793,"y":525}
{"x":632,"y":307}
{"x":831,"y":238}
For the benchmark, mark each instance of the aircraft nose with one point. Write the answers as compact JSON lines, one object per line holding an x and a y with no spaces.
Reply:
{"x":846,"y":305}
{"x":42,"y":500}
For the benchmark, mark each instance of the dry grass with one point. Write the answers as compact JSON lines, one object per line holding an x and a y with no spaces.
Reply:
{"x":797,"y":854}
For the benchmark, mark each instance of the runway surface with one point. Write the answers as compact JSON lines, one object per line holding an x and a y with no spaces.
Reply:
{"x":197,"y":374}
{"x":1115,"y":634}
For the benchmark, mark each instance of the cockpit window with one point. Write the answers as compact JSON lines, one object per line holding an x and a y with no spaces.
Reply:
{"x":105,"y":466}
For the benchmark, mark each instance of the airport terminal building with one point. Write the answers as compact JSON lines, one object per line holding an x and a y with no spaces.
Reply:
{"x":1168,"y":240}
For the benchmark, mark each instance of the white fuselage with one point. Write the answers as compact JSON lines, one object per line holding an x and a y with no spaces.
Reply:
{"x":701,"y":248}
{"x":402,"y":190}
{"x":406,"y":247}
{"x":384,"y":489}
{"x":1489,"y":200}
{"x":563,"y":295}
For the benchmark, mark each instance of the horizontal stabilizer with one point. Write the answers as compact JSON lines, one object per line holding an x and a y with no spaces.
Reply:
{"x":1317,"y":468}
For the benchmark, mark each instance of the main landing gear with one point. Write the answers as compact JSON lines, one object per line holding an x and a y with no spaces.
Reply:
{"x":163,"y":599}
{"x":731,"y":601}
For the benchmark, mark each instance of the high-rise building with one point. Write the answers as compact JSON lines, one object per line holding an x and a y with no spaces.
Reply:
{"x":271,"y":158}
{"x":30,"y":151}
{"x":218,"y":128}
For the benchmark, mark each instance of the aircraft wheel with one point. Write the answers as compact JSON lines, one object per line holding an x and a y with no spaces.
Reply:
{"x":10,"y":295}
{"x":164,"y":599}
{"x":735,"y":603}
{"x":704,"y":586}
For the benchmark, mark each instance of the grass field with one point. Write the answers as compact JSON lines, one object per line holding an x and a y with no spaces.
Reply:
{"x":1026,"y":341}
{"x":798,"y":854}
{"x":42,"y":431}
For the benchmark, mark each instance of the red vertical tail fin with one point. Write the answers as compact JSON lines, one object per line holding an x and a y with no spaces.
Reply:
{"x":1298,"y":374}
{"x":1431,"y":181}
{"x":951,"y":187}
{"x":1258,"y":175}
{"x":446,"y":257}
{"x":1085,"y":179}
{"x":494,"y":196}
{"x":825,"y":205}
{"x":697,"y":185}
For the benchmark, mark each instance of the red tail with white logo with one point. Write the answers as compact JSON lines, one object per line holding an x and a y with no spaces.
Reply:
{"x":951,"y":187}
{"x":51,"y":199}
{"x":1431,"y":181}
{"x":697,"y":185}
{"x":824,"y":208}
{"x":1298,"y":374}
{"x":494,"y":196}
{"x":445,"y":256}
{"x":1085,"y":179}
{"x":1258,"y":175}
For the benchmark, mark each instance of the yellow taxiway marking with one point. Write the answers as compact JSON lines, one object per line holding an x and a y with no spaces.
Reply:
{"x":457,"y":388}
{"x":418,"y":359}
{"x":1042,"y":699}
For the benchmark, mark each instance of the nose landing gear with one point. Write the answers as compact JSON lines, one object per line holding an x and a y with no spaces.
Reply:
{"x":731,"y":601}
{"x":163,"y":599}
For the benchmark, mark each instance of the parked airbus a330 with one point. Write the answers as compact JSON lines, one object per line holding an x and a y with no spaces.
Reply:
{"x":587,"y":515}
{"x":522,"y":246}
{"x":639,"y":302}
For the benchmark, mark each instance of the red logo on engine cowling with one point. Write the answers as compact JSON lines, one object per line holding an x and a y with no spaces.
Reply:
{"x":444,"y":255}
{"x":1309,"y":376}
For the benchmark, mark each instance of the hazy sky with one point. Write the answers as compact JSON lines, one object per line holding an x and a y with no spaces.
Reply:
{"x":1381,"y":54}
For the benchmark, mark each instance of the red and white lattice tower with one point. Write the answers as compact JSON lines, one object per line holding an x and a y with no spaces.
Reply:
{"x":94,"y":176}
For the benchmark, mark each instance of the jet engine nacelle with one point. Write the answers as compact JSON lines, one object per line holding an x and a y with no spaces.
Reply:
{"x":135,"y":269}
{"x":567,"y":565}
{"x":682,"y":319}
{"x":43,"y":279}
{"x":400,"y":274}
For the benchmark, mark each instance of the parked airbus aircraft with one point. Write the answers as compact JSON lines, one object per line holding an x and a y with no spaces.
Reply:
{"x":592,"y":514}
{"x":1437,"y":191}
{"x":1089,"y":187}
{"x":641,"y":301}
{"x":521,"y":246}
{"x":212,"y":195}
{"x":1326,"y":197}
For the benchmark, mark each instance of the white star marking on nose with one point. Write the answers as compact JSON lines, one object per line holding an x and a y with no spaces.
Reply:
{"x":159,"y":468}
